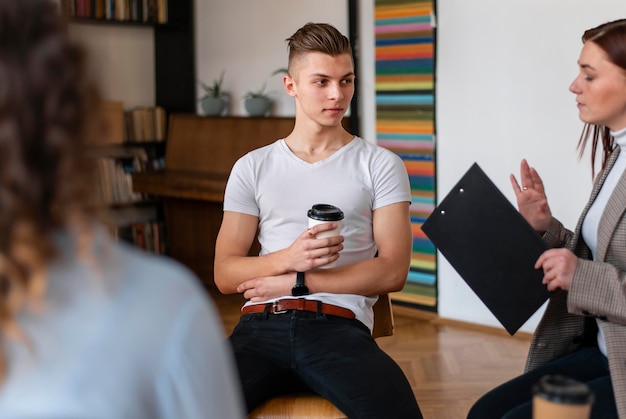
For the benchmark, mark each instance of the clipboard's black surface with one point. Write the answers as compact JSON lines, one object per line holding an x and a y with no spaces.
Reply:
{"x":491,"y":246}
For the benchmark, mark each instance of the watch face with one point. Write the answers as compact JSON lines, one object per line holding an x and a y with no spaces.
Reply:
{"x":299,"y":290}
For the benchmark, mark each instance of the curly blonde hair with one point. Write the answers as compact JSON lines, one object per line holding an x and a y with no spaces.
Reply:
{"x":45,"y":105}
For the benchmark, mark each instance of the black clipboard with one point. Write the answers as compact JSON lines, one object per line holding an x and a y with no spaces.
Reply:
{"x":491,"y":246}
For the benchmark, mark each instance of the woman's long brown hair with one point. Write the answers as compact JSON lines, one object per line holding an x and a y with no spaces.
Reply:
{"x":46,"y":104}
{"x":611,"y":37}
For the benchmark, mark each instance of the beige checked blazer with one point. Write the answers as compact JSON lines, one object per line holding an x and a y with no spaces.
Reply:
{"x":598,"y":290}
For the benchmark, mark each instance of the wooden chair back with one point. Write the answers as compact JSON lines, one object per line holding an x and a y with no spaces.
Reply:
{"x":383,"y":317}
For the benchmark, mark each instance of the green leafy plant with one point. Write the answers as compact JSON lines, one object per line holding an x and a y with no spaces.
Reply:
{"x":260,"y":93}
{"x":280,"y":71}
{"x":256,"y":94}
{"x":214,"y":90}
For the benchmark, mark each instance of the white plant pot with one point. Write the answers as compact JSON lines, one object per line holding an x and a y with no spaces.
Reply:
{"x":258,"y":106}
{"x":213,"y":106}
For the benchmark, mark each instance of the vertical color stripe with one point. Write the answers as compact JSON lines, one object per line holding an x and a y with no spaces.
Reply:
{"x":405,"y":109}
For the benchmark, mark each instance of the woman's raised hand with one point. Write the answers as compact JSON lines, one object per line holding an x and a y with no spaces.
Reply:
{"x":532,"y":202}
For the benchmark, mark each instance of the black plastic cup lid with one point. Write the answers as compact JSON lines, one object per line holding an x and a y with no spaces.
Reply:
{"x":325,"y":212}
{"x":562,"y":389}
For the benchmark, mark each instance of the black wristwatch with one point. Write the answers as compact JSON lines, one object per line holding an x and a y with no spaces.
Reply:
{"x":299,"y":289}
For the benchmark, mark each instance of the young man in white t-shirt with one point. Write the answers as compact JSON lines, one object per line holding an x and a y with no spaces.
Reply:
{"x":324,"y":343}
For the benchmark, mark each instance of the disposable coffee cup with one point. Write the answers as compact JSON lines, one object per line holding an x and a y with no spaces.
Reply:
{"x":324,"y":213}
{"x":561,"y":397}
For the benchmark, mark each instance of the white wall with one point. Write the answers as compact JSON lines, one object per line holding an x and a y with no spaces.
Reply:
{"x":246,"y":40}
{"x":503,"y":71}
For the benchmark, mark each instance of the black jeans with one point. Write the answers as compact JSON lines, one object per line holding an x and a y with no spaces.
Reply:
{"x":513,"y":399}
{"x":332,"y":356}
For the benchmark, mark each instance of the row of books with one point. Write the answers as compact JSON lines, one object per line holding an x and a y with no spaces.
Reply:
{"x":154,"y":11}
{"x":139,"y":124}
{"x":145,"y":124}
{"x":148,"y":235}
{"x":113,"y":179}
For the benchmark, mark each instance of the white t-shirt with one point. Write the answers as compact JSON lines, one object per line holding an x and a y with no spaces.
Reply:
{"x":276,"y":186}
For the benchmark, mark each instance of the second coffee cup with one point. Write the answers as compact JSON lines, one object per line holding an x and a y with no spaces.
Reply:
{"x":325,"y":213}
{"x":561,"y":397}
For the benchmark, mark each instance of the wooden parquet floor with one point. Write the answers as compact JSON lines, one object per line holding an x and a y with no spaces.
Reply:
{"x":449,"y":364}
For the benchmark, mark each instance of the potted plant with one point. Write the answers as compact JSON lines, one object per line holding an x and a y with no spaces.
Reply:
{"x":215,"y":99}
{"x":258,"y":102}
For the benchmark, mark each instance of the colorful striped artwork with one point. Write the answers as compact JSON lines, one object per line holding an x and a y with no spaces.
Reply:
{"x":405,"y":123}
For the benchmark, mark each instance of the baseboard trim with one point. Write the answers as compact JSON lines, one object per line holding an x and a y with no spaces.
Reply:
{"x":434,"y":318}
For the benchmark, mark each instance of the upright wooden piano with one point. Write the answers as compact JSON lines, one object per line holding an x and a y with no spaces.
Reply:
{"x":200,"y":152}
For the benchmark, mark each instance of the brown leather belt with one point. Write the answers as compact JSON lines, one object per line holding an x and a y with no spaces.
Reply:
{"x":300,"y":304}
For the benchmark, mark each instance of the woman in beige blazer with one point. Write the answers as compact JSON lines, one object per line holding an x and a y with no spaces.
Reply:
{"x":583,"y":331}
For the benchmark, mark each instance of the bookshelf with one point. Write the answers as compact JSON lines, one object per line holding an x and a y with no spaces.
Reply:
{"x":118,"y":155}
{"x":149,"y":11}
{"x":137,"y":146}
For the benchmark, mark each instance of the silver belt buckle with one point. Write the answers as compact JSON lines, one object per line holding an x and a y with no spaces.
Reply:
{"x":275,"y":308}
